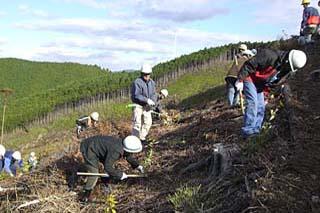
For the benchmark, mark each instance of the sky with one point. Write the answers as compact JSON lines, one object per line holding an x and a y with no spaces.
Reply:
{"x":124,"y":34}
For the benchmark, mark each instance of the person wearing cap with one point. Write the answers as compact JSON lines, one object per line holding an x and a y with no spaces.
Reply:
{"x":231,"y":78}
{"x":107,"y":150}
{"x":143,"y":94}
{"x":268,"y":68}
{"x":11,"y":162}
{"x":85,"y":122}
{"x":310,"y":22}
{"x":162,"y":95}
{"x":242,"y":47}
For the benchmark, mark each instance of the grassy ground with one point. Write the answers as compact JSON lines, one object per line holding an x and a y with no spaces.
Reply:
{"x":197,"y":88}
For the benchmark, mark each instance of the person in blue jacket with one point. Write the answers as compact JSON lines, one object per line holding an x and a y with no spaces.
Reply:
{"x":11,"y":162}
{"x":143,"y":95}
{"x":310,"y":22}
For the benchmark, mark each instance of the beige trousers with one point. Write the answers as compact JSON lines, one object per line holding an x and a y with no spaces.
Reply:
{"x":142,"y":122}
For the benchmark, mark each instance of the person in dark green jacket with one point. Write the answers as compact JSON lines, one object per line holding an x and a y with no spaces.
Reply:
{"x":107,"y":150}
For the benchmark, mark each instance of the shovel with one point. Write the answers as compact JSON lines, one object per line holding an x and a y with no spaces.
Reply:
{"x":106,"y":175}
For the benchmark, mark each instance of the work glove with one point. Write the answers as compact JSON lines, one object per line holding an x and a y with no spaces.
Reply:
{"x":124,"y":176}
{"x":140,"y":169}
{"x":150,"y":102}
{"x":239,"y":85}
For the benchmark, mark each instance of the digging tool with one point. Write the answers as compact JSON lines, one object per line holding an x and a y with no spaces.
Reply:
{"x":133,"y":105}
{"x":241,"y":101}
{"x":137,"y":105}
{"x":240,"y":92}
{"x":106,"y":175}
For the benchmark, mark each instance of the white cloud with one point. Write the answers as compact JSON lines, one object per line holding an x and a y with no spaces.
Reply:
{"x":287,"y":15}
{"x":129,"y":41}
{"x":91,"y":3}
{"x":26,"y":10}
{"x":2,"y":13}
{"x":181,"y":10}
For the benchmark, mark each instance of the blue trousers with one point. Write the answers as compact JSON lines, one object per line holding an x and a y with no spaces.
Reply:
{"x":255,"y":108}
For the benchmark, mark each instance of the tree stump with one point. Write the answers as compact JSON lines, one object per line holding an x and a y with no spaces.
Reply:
{"x":219,"y":163}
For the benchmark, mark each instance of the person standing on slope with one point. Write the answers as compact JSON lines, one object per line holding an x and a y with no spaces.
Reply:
{"x":231,"y":78}
{"x":143,"y":94}
{"x":310,"y":22}
{"x":267,"y":68}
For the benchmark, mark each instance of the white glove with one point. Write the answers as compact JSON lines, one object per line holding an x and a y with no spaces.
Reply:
{"x":124,"y":176}
{"x":150,"y":102}
{"x":140,"y":169}
{"x":239,"y":85}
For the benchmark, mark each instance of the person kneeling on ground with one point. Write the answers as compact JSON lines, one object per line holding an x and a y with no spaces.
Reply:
{"x":85,"y":122}
{"x":107,"y":150}
{"x":267,"y":68}
{"x":11,"y":162}
{"x":162,"y":95}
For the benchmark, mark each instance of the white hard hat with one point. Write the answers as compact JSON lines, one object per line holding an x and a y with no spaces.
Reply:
{"x":16,"y":155}
{"x":2,"y":150}
{"x":297,"y":59}
{"x":164,"y":92}
{"x":146,"y":68}
{"x":243,"y":47}
{"x":132,"y":144}
{"x":94,"y":116}
{"x":248,"y":53}
{"x":32,"y":154}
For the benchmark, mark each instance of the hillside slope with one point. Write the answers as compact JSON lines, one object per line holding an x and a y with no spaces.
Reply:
{"x":277,"y":172}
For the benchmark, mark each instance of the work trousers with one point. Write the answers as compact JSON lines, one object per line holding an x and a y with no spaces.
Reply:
{"x":91,"y":180}
{"x":142,"y":122}
{"x":255,"y":109}
{"x":232,"y":95}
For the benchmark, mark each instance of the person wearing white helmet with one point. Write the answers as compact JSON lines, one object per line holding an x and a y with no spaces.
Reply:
{"x":32,"y":161}
{"x":12,"y":161}
{"x":86,"y":122}
{"x":162,"y":95}
{"x":268,"y":68}
{"x":107,"y":150}
{"x":143,"y":95}
{"x":310,"y":22}
{"x":2,"y":151}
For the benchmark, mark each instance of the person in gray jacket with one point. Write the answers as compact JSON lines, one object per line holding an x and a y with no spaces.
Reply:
{"x":143,"y":94}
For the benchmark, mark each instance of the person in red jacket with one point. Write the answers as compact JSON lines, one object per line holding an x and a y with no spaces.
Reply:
{"x":267,"y":68}
{"x":310,"y":22}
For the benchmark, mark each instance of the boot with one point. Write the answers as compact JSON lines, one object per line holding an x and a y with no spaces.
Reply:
{"x":85,"y":198}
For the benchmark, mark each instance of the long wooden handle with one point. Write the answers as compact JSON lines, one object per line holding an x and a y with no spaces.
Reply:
{"x":106,"y":175}
{"x":241,"y":101}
